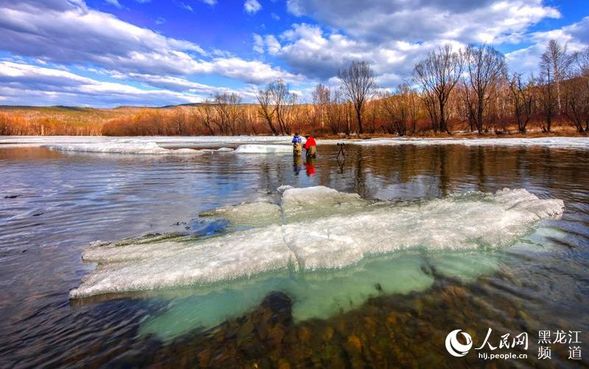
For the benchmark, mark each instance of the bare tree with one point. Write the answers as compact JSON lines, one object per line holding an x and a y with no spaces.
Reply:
{"x":321,"y":100}
{"x":207,"y":116}
{"x":522,"y":100}
{"x":276,"y":103}
{"x":438,"y":74}
{"x":582,"y":59}
{"x":400,"y":109}
{"x":282,"y":98}
{"x":547,"y":95}
{"x":558,"y":61}
{"x":227,"y":112}
{"x":358,"y":83}
{"x":576,"y":92}
{"x":410,"y":99}
{"x":266,"y":109}
{"x":485,"y":68}
{"x":336,"y":113}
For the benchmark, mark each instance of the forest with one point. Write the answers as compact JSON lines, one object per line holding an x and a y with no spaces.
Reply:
{"x":451,"y":91}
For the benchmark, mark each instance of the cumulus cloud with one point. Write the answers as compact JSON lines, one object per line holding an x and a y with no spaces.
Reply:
{"x":394,"y":34}
{"x":310,"y":51}
{"x":422,"y":20}
{"x":574,"y":36}
{"x":68,"y":32}
{"x":252,"y":6}
{"x":390,"y":34}
{"x":48,"y":86}
{"x":76,"y":34}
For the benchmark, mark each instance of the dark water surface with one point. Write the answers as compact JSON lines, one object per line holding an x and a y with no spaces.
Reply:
{"x":53,"y":205}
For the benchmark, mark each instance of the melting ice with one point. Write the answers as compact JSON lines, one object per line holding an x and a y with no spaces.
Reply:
{"x":315,"y":228}
{"x":131,"y":146}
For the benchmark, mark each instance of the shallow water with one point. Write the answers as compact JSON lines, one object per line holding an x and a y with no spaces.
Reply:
{"x":390,"y":311}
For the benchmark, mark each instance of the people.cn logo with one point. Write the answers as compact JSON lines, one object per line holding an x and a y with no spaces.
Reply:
{"x":456,"y":348}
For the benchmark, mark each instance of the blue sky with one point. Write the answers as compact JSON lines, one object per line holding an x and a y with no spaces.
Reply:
{"x":153,"y":52}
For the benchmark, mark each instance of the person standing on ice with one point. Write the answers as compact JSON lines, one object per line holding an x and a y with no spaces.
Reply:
{"x":297,"y":145}
{"x":311,"y":147}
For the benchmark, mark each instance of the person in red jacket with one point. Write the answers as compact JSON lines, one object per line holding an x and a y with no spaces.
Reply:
{"x":311,"y":146}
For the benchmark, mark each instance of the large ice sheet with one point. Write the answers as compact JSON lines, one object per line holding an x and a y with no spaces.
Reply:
{"x":128,"y":147}
{"x":320,"y":239}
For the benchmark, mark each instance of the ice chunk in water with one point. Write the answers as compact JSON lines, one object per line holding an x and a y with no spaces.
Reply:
{"x":325,"y":239}
{"x":171,"y":264}
{"x":123,"y":147}
{"x":319,"y":201}
{"x":263,"y":149}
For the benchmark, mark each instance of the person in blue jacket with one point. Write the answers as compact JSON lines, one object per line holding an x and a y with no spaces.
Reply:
{"x":297,"y":144}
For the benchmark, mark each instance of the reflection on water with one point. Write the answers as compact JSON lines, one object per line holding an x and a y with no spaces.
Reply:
{"x":52,"y":205}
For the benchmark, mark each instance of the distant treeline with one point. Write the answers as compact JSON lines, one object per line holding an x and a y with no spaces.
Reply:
{"x":468,"y":90}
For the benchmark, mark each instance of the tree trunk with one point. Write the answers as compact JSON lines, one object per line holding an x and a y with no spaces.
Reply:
{"x":359,"y":117}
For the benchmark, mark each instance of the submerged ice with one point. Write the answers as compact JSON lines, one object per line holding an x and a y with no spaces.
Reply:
{"x":315,"y":229}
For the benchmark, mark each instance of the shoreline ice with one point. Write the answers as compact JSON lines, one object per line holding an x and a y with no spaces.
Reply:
{"x":549,"y":142}
{"x":259,"y":144}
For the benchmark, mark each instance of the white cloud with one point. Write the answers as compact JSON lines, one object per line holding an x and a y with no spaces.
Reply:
{"x":114,"y":3}
{"x":574,"y":36}
{"x":47,"y":86}
{"x":395,"y":34}
{"x":390,"y":34}
{"x":310,"y":51}
{"x":252,"y":6}
{"x":186,"y":6}
{"x":423,"y":20}
{"x":78,"y":35}
{"x":258,"y":43}
{"x":73,"y":34}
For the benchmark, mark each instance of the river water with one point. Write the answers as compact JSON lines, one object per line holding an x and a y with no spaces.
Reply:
{"x":390,"y":311}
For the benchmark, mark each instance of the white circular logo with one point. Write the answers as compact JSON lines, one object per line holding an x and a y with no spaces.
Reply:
{"x":456,"y":348}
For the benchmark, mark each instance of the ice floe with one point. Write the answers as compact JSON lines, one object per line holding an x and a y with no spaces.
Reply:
{"x":313,"y":229}
{"x":122,"y":147}
{"x":263,"y":149}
